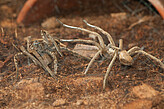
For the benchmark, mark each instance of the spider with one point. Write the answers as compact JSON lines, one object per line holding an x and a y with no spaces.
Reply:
{"x":108,"y":50}
{"x":41,"y":51}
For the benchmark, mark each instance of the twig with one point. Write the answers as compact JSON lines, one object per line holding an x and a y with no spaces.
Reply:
{"x":143,"y":19}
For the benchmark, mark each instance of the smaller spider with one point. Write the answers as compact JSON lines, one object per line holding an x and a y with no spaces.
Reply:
{"x":109,"y":50}
{"x":41,"y":51}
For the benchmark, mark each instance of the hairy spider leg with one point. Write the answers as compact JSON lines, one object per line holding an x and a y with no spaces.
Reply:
{"x":16,"y":63}
{"x":46,"y":34}
{"x":137,"y":50}
{"x":28,"y":47}
{"x":85,"y":30}
{"x":104,"y":32}
{"x":55,"y":60}
{"x":111,"y":63}
{"x":109,"y":68}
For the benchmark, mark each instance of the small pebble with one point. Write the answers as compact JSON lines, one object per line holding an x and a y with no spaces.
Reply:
{"x":59,"y":102}
{"x":79,"y":102}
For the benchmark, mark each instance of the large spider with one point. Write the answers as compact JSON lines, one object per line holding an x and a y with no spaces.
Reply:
{"x":109,"y":50}
{"x":41,"y":51}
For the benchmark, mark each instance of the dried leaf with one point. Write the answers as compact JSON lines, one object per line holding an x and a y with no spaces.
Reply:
{"x":85,"y":50}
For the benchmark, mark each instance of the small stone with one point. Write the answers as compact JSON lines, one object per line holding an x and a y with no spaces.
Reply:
{"x":48,"y":95}
{"x":59,"y":102}
{"x":86,"y":102}
{"x":79,"y":102}
{"x":49,"y":23}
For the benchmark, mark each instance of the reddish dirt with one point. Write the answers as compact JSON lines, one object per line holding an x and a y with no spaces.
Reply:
{"x":142,"y":83}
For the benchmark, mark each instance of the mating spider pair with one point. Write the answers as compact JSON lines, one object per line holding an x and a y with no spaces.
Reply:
{"x":109,"y":50}
{"x":43,"y":51}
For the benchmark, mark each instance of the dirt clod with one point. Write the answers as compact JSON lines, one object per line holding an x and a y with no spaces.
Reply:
{"x":138,"y":104}
{"x":49,"y":23}
{"x":29,"y":89}
{"x":79,"y":102}
{"x":145,"y":91}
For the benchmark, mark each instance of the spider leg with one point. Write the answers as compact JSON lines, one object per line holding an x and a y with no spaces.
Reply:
{"x":133,"y":49}
{"x":31,"y":56}
{"x":92,"y":60}
{"x":56,"y":46}
{"x":28,"y":43}
{"x":46,"y":34}
{"x":137,"y":50}
{"x":88,"y":31}
{"x":40,"y":62}
{"x":55,"y":64}
{"x":111,"y":47}
{"x":28,"y":39}
{"x":104,"y":32}
{"x":120,"y":44}
{"x":112,"y":61}
{"x":43,"y":64}
{"x":152,"y":57}
{"x":55,"y":61}
{"x":16,"y":63}
{"x":28,"y":47}
{"x":109,"y":68}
